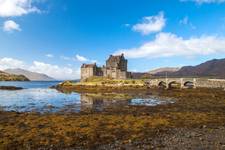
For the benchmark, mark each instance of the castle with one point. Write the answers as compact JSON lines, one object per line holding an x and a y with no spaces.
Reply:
{"x":116,"y":68}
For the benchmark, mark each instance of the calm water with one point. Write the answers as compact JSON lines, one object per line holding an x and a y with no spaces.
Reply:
{"x":39,"y":98}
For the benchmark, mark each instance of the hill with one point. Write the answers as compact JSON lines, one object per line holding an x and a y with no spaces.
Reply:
{"x":162,"y":70}
{"x":33,"y":76}
{"x":12,"y":77}
{"x":140,"y":75}
{"x":212,"y":68}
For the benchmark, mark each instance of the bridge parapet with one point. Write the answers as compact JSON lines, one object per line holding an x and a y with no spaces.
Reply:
{"x":211,"y":83}
{"x":185,"y":82}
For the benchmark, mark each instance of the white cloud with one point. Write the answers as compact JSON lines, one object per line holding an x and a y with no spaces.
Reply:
{"x":168,"y":45}
{"x":6,"y":63}
{"x":84,"y":59}
{"x":151,"y":24}
{"x":65,"y":58}
{"x":81,"y":58}
{"x":10,"y":26}
{"x":187,"y":22}
{"x":184,"y":21}
{"x":55,"y":71}
{"x":49,"y":55}
{"x":127,"y":25}
{"x":204,"y":1}
{"x":10,"y":8}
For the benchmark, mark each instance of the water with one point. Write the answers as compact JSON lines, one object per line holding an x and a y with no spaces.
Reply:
{"x":38,"y":97}
{"x":27,"y":84}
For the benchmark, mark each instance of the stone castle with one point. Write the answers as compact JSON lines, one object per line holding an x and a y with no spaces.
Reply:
{"x":116,"y":68}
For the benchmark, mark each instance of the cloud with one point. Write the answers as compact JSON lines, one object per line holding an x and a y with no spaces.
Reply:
{"x":81,"y":58}
{"x":151,"y":24}
{"x":187,"y":22}
{"x":78,"y":58}
{"x":55,"y":71}
{"x":10,"y":26}
{"x":127,"y":25}
{"x":65,"y":58}
{"x":204,"y":1}
{"x":6,"y":63}
{"x":168,"y":45}
{"x":184,"y":21}
{"x":49,"y":55}
{"x":11,"y":8}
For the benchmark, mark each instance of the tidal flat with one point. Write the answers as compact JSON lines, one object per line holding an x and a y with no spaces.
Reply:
{"x":196,"y":120}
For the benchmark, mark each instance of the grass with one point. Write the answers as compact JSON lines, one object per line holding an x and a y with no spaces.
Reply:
{"x":102,"y":84}
{"x":109,"y":81}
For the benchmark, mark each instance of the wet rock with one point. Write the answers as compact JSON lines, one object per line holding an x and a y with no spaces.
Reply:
{"x":10,"y":88}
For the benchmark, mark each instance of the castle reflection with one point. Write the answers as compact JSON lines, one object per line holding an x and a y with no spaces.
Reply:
{"x":99,"y":102}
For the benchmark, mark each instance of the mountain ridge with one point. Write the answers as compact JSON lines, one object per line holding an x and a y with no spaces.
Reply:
{"x":164,"y":69}
{"x":33,"y":76}
{"x":211,"y":68}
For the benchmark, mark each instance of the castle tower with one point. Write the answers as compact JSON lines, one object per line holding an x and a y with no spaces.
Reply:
{"x":116,"y":67}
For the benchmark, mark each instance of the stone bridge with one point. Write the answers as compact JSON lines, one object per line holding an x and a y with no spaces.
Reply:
{"x":186,"y":83}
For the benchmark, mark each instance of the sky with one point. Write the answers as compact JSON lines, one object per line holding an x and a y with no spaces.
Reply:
{"x":56,"y":36}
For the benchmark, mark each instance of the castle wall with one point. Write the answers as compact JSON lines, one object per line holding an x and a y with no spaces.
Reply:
{"x":87,"y":72}
{"x":115,"y":73}
{"x":122,"y":75}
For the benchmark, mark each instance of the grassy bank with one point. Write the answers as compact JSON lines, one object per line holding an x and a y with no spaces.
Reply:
{"x":102,"y":84}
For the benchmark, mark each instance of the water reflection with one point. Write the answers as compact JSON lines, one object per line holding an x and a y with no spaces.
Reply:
{"x":50,"y":100}
{"x":98,"y":102}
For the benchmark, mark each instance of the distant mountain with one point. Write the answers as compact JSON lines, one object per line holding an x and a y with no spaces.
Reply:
{"x":33,"y":76}
{"x":140,"y":75}
{"x":212,"y":68}
{"x":163,"y":70}
{"x":12,"y":77}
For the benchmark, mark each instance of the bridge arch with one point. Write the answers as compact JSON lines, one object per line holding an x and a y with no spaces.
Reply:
{"x":188,"y":84}
{"x":162,"y":84}
{"x":173,"y":84}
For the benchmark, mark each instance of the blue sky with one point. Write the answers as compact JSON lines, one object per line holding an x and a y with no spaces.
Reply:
{"x":56,"y":36}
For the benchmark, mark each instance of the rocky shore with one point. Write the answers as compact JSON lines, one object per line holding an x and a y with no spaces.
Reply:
{"x":195,"y":121}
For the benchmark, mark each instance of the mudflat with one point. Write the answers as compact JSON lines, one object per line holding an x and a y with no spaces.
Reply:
{"x":195,"y":121}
